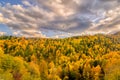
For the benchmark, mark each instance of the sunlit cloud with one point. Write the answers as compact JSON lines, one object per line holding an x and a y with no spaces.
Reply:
{"x":31,"y":18}
{"x":2,"y":33}
{"x":110,"y":24}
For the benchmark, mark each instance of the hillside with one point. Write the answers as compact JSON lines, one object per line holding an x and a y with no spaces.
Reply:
{"x":95,"y":57}
{"x":117,"y":33}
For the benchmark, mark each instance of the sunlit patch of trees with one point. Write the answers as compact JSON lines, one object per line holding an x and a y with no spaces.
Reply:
{"x":78,"y":58}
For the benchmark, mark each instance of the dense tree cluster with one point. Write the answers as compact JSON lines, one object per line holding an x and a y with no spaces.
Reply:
{"x":94,"y":57}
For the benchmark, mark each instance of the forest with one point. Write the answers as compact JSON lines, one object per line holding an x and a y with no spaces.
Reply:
{"x":87,"y":57}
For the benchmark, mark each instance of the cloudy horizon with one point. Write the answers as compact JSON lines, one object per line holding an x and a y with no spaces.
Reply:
{"x":59,"y":18}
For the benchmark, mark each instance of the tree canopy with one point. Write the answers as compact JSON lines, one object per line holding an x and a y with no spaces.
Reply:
{"x":92,"y":57}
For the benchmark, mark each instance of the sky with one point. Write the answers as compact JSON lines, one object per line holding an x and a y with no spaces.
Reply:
{"x":58,"y":18}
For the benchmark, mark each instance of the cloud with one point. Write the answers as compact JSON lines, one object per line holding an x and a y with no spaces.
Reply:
{"x":1,"y":18}
{"x":32,"y":18}
{"x":2,"y":33}
{"x":110,"y":23}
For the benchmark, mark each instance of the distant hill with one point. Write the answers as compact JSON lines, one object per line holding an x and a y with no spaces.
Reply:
{"x":117,"y":33}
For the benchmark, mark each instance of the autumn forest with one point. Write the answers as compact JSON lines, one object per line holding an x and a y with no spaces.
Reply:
{"x":90,"y":57}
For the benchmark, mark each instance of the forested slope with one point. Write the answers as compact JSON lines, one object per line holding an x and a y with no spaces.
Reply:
{"x":94,"y":57}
